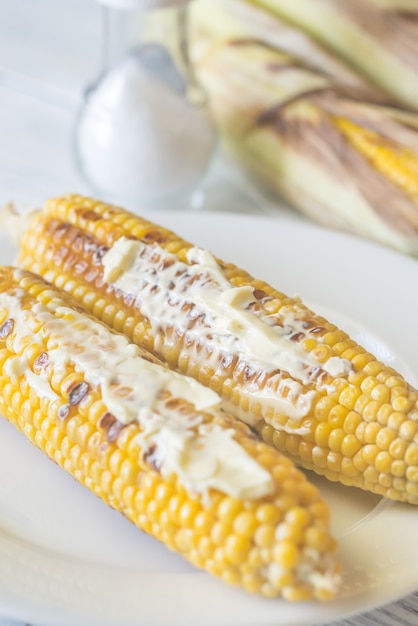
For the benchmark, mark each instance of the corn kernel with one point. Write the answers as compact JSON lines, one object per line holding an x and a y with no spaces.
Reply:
{"x":349,"y":468}
{"x":319,"y":456}
{"x":268,"y":514}
{"x":368,"y":384}
{"x":371,"y":476}
{"x":220,"y":532}
{"x":371,"y":432}
{"x":264,"y":536}
{"x":296,"y":593}
{"x":245,"y":524}
{"x":252,"y":583}
{"x":371,"y":410}
{"x":383,"y":462}
{"x":237,"y":548}
{"x":317,"y":539}
{"x":349,"y":396}
{"x":188,"y":511}
{"x":323,"y":408}
{"x":280,"y":577}
{"x":350,"y":445}
{"x":351,"y":422}
{"x":337,"y":416}
{"x":370,"y":453}
{"x":336,"y":439}
{"x":408,"y":430}
{"x":385,"y":480}
{"x":398,"y":468}
{"x":411,"y":455}
{"x":334,"y":461}
{"x":384,"y":438}
{"x":401,"y":404}
{"x":286,"y":554}
{"x":322,"y":434}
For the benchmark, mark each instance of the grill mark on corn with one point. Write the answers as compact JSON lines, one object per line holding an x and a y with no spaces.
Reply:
{"x":6,"y":328}
{"x":77,"y":393}
{"x":154,"y":236}
{"x":41,"y":362}
{"x":111,"y":426}
{"x":88,"y":214}
{"x":63,"y":412}
{"x":98,"y":254}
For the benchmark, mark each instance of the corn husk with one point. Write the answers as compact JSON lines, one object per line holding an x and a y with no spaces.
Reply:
{"x":378,"y":37}
{"x":233,"y":19}
{"x":286,"y":121}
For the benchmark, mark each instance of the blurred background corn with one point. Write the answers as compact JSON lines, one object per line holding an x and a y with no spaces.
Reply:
{"x":330,"y":145}
{"x":343,"y":413}
{"x":275,"y":543}
{"x":378,"y":37}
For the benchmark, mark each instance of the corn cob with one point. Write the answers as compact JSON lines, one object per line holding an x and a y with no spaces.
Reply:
{"x":155,"y":446}
{"x":301,"y":382}
{"x":378,"y":37}
{"x":345,"y":159}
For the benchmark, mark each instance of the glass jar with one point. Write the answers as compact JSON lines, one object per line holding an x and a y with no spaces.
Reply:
{"x":144,"y":135}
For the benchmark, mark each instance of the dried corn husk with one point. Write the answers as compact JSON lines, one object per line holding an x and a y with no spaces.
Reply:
{"x":339,"y":152}
{"x":378,"y":37}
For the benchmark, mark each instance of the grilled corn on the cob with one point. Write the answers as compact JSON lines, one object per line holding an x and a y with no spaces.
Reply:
{"x":334,"y":150}
{"x":299,"y":380}
{"x":155,"y":445}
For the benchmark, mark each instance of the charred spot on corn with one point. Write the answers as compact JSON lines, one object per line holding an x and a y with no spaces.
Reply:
{"x":41,"y":361}
{"x":6,"y":328}
{"x":98,"y":254}
{"x":77,"y":393}
{"x":154,"y":236}
{"x":150,"y":457}
{"x":111,"y":426}
{"x":88,"y":214}
{"x":64,"y":411}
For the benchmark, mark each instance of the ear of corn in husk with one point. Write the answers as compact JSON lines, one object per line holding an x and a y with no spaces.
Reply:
{"x":237,"y":19}
{"x":155,"y":446}
{"x":338,"y":153}
{"x":378,"y":37}
{"x":300,"y":381}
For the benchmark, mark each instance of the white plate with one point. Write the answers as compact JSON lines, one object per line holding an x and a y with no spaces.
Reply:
{"x":66,"y":559}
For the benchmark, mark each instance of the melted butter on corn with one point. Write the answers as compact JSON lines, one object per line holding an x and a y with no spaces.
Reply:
{"x":163,"y":284}
{"x":202,"y":455}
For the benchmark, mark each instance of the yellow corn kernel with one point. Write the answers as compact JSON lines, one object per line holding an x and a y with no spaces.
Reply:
{"x":397,"y":164}
{"x":351,"y":422}
{"x":286,"y":555}
{"x":264,"y":536}
{"x":322,"y":434}
{"x":245,"y":524}
{"x":398,"y":468}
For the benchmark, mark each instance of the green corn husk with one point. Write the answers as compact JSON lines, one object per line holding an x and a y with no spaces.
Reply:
{"x":296,"y":128}
{"x":378,"y":37}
